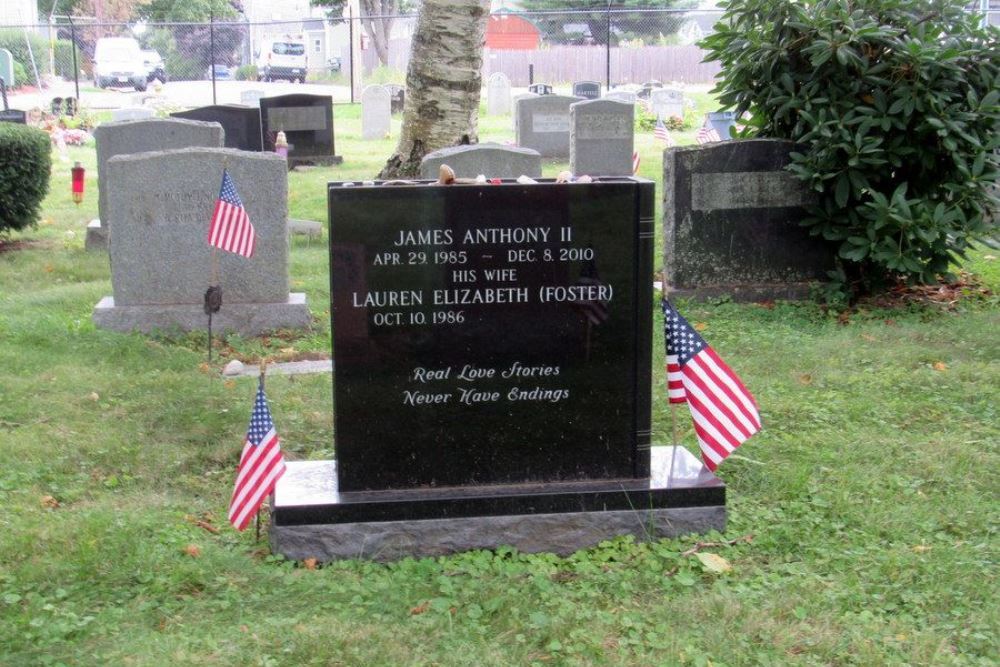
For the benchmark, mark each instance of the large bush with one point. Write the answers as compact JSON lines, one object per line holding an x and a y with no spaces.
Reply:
{"x":14,"y":40}
{"x":25,"y":165}
{"x":896,"y":102}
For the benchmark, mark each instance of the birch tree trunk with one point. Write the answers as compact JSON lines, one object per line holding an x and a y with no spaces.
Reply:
{"x":443,"y":82}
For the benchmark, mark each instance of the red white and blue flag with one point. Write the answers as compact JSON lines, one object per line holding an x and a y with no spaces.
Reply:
{"x":261,"y":464}
{"x":707,"y":135}
{"x":661,"y":133}
{"x":724,"y":412}
{"x":635,"y":162}
{"x":230,"y":229}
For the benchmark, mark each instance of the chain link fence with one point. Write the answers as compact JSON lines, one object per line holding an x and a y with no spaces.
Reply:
{"x":184,"y":65}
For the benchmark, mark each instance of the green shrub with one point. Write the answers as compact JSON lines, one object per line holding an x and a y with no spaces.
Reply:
{"x":21,"y":75}
{"x":246,"y":73}
{"x":645,"y":120}
{"x":25,"y":166}
{"x":896,"y":102}
{"x":14,"y":41}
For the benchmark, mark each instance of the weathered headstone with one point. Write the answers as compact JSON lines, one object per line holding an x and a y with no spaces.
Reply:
{"x":667,"y":102}
{"x":540,"y":89}
{"x":240,"y":123}
{"x":498,"y":94}
{"x":588,"y":90}
{"x":132,"y":113}
{"x":543,"y":124}
{"x":731,"y":218}
{"x":626,"y":96}
{"x":306,"y":120}
{"x":139,"y":136}
{"x":376,"y":115}
{"x":397,"y":97}
{"x":161,"y":264}
{"x":601,"y":138}
{"x":7,"y":68}
{"x":506,"y":330}
{"x":489,"y":159}
{"x":13,"y":116}
{"x":251,"y":98}
{"x":514,"y":100}
{"x":648,"y":87}
{"x":721,"y":121}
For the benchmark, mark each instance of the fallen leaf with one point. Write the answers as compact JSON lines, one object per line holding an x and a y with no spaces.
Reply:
{"x":940,"y":366}
{"x":93,"y":396}
{"x":921,"y":548}
{"x":420,"y":608}
{"x":204,"y":367}
{"x":869,"y":338}
{"x":700,"y":326}
{"x":207,"y":526}
{"x":805,"y":378}
{"x":192,"y":550}
{"x":310,"y":563}
{"x":48,"y":268}
{"x":714,"y":562}
{"x":229,"y":384}
{"x":288,"y":350}
{"x":890,"y":322}
{"x":244,"y":629}
{"x":767,"y":304}
{"x":49,"y":502}
{"x":844,"y":318}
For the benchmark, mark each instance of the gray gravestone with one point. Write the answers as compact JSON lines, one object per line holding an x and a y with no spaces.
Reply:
{"x":540,"y":89}
{"x":488,"y":159}
{"x":376,"y":115}
{"x":7,"y":67}
{"x":251,"y":98}
{"x":721,"y":121}
{"x":498,"y":94}
{"x":667,"y":102}
{"x":397,"y":97}
{"x":139,"y":136}
{"x":514,"y":100}
{"x":731,"y":218}
{"x":588,"y":90}
{"x":543,"y":124}
{"x":626,"y":96}
{"x":132,"y":113}
{"x":161,"y":264}
{"x":601,"y":138}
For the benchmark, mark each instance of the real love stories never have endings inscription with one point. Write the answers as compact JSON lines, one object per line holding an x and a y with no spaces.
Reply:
{"x":490,"y":334}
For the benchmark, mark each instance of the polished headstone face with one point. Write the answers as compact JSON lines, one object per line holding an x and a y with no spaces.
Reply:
{"x":495,"y":334}
{"x":731,"y":217}
{"x":540,"y":89}
{"x":489,"y":159}
{"x":589,"y":90}
{"x":139,"y":136}
{"x":241,"y":123}
{"x":543,"y":124}
{"x":375,"y":112}
{"x":397,"y":97}
{"x":306,"y":120}
{"x":601,"y":138}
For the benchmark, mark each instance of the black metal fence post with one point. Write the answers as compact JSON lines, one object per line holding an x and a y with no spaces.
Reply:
{"x":607,"y":51}
{"x":76,"y":71}
{"x":211,"y":51}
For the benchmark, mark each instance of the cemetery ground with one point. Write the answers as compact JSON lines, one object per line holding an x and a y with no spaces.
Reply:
{"x":860,"y":532}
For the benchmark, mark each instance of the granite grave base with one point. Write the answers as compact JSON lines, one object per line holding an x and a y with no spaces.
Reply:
{"x":97,"y":237}
{"x":312,"y":519}
{"x":248,"y":319}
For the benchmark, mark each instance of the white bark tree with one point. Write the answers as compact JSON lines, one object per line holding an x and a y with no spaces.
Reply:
{"x":443,"y":82}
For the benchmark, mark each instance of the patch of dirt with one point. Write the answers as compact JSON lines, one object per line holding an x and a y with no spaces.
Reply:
{"x":942,"y":295}
{"x":12,"y":246}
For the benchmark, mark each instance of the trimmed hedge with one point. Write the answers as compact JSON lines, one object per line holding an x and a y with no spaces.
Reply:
{"x":25,"y":167}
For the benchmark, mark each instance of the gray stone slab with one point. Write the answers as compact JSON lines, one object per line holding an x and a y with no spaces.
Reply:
{"x":731,"y":217}
{"x":310,"y":228}
{"x":132,"y":113}
{"x":514,"y":102}
{"x":667,"y":102}
{"x":601,"y":138}
{"x":251,"y":98}
{"x":314,"y":483}
{"x":490,"y":159}
{"x":498,"y":95}
{"x":543,"y":124}
{"x":376,"y":112}
{"x":96,"y":238}
{"x":288,"y":368}
{"x":247,"y":319}
{"x":627,"y":96}
{"x":139,"y":136}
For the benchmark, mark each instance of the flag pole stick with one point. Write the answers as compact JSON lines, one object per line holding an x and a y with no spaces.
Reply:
{"x":675,"y":441}
{"x":260,"y":384}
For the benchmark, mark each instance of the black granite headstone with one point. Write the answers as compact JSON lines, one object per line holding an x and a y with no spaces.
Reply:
{"x":590,"y":90}
{"x":540,"y":89}
{"x":13,"y":116}
{"x":240,"y":123}
{"x":397,"y":97}
{"x":504,"y":335}
{"x":306,"y":120}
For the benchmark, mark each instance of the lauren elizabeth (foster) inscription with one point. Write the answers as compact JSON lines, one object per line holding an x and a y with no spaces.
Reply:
{"x":492,"y":359}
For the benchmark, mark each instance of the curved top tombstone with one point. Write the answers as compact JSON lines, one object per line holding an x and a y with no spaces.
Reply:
{"x":489,"y":159}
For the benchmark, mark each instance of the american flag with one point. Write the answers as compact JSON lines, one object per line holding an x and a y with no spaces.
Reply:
{"x":707,"y":134}
{"x":724,"y":412}
{"x":635,"y":162}
{"x":261,"y":464}
{"x":231,"y":229}
{"x":662,"y":134}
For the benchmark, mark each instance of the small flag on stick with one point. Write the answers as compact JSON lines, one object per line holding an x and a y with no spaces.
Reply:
{"x":724,"y":412}
{"x":707,"y":135}
{"x":635,"y":162}
{"x":661,"y":133}
{"x":230,"y":228}
{"x":261,"y":464}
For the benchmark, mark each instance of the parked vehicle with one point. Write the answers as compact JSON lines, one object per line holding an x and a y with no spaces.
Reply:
{"x":222,"y":72}
{"x":154,"y":66}
{"x":118,"y":61}
{"x":282,"y":58}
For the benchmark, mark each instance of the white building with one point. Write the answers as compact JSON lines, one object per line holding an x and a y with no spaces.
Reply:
{"x":18,"y":12}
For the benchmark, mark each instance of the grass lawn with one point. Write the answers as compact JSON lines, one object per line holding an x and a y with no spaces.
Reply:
{"x":867,"y":495}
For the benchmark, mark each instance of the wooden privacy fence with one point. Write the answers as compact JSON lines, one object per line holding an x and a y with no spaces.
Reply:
{"x":564,"y":64}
